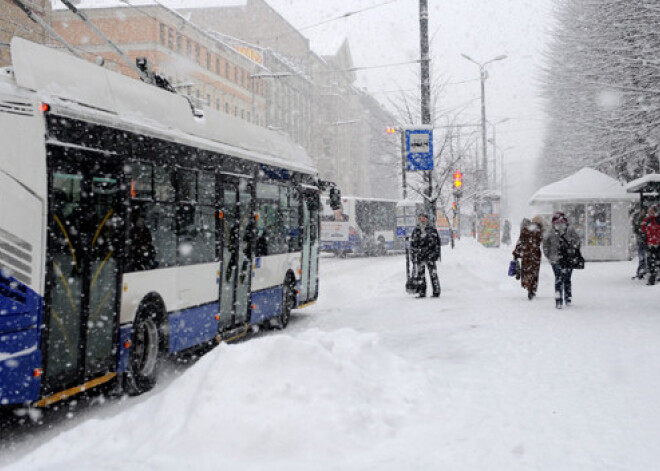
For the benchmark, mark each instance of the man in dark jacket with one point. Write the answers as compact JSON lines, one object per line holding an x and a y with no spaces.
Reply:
{"x":425,"y":250}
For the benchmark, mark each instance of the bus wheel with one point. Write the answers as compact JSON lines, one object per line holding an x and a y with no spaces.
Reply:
{"x":143,"y":361}
{"x":288,"y":302}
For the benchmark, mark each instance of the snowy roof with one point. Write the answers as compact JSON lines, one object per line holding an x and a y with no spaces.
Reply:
{"x":643,"y":184}
{"x":83,"y":4}
{"x":586,"y":184}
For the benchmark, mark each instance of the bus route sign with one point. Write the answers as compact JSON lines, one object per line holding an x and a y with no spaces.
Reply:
{"x":418,"y":144}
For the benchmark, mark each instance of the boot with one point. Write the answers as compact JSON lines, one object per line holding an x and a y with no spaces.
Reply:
{"x":531,"y":295}
{"x":558,"y":303}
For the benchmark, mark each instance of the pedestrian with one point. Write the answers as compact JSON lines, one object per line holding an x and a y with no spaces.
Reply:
{"x":425,"y":252}
{"x":528,"y":250}
{"x":506,"y":232}
{"x":651,"y":228}
{"x":640,"y":238}
{"x":560,"y":245}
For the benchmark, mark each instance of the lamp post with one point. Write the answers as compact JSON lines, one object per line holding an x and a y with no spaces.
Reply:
{"x":483,"y":75}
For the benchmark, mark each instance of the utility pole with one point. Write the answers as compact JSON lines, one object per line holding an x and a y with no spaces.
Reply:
{"x":426,"y":90}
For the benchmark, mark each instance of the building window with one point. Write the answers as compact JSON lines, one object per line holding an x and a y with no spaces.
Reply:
{"x":197,"y":53}
{"x":208,"y":100}
{"x":217,"y":65}
{"x":162,"y":33}
{"x":236,"y":111}
{"x":208,"y":60}
{"x":179,"y":42}
{"x":227,"y":69}
{"x":227,"y":107}
{"x":170,"y":38}
{"x":188,"y":48}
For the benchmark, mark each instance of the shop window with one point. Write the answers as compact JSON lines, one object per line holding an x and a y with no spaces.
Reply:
{"x":599,"y":228}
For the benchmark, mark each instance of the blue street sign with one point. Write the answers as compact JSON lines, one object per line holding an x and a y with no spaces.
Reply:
{"x":419,"y":149}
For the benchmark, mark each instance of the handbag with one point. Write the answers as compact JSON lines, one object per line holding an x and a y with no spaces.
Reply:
{"x":578,"y":260}
{"x":512,"y":267}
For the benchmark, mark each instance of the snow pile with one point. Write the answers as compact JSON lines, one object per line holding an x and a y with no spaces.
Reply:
{"x":276,"y":399}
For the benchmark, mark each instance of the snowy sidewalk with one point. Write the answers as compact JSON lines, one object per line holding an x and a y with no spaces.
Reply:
{"x":371,"y":378}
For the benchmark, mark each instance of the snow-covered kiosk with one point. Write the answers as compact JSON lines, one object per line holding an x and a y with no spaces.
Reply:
{"x":597,"y":206}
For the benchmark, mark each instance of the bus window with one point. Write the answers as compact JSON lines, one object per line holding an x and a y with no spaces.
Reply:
{"x":195,"y":223}
{"x":271,"y":231}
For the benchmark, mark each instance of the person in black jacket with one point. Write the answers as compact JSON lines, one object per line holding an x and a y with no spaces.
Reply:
{"x":425,"y":251}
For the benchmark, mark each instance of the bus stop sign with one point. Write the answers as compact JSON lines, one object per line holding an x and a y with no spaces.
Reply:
{"x":418,"y":144}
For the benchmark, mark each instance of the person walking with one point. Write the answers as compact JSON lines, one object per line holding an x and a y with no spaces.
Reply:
{"x":651,"y":228}
{"x":559,"y":246}
{"x":640,"y":239}
{"x":528,"y":250}
{"x":506,"y":232}
{"x":425,"y":252}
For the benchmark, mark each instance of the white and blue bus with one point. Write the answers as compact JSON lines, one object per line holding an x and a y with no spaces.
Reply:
{"x":362,"y":226}
{"x":131,"y":230}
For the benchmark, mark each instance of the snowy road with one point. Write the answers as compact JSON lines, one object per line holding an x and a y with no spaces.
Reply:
{"x":369,"y":378}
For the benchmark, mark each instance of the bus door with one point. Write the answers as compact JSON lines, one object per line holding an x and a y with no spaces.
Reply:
{"x":236,"y":230}
{"x":310,"y":247}
{"x":85,"y":230}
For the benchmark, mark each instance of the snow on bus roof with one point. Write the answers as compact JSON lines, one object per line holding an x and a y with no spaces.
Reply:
{"x":57,"y":75}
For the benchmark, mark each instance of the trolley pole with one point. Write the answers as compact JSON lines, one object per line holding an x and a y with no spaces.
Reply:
{"x":426,"y":91}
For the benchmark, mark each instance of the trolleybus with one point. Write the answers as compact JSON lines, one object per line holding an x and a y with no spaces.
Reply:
{"x":362,"y":226}
{"x":132,"y":230}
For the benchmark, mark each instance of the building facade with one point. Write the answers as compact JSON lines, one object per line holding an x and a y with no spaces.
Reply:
{"x":14,"y":22}
{"x":212,"y":73}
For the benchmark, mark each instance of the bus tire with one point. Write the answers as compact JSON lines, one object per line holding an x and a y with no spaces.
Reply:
{"x":288,"y":303}
{"x":144,"y":356}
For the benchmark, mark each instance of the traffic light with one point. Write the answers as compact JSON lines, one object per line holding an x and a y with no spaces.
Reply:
{"x":390,"y":130}
{"x":458,"y":180}
{"x":453,"y":206}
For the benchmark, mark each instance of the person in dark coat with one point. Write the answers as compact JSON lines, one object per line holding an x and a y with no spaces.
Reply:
{"x":506,"y":232}
{"x":528,"y":250}
{"x":558,"y":244}
{"x":425,"y":252}
{"x":651,"y":228}
{"x":141,"y":251}
{"x":640,"y":238}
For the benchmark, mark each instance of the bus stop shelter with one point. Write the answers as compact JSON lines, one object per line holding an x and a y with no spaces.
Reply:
{"x":598,"y":208}
{"x":648,"y":188}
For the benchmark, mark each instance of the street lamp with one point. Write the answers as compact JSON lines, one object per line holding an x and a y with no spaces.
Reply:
{"x":483,"y":75}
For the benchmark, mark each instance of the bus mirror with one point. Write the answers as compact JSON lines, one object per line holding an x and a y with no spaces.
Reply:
{"x":335,"y":198}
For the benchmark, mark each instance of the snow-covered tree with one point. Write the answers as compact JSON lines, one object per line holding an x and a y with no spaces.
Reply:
{"x":601,"y":86}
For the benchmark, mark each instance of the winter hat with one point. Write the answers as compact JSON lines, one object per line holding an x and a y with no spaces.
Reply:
{"x":422,"y":213}
{"x":559,"y":218}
